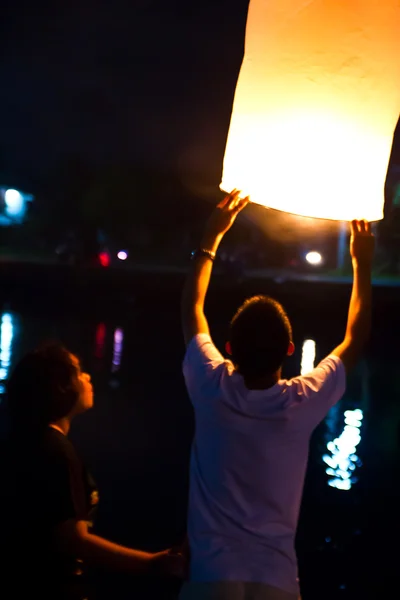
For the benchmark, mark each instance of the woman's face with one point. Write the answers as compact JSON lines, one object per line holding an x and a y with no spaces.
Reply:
{"x":85,"y":401}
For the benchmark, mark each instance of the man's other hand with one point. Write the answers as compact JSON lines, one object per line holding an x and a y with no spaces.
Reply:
{"x":362,"y":243}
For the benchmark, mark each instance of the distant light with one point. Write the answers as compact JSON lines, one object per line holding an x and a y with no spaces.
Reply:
{"x":314,"y":258}
{"x":104,"y":259}
{"x":307,"y":357}
{"x":14,"y":202}
{"x":122,"y":255}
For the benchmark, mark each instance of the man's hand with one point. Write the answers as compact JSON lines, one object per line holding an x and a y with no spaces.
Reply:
{"x":362,"y":243}
{"x":194,"y":293}
{"x":224,"y":215}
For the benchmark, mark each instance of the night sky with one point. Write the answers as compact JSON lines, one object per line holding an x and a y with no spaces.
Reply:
{"x":119,"y":81}
{"x":133,"y":81}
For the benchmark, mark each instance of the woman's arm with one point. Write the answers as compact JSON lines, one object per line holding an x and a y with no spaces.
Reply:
{"x":73,"y":537}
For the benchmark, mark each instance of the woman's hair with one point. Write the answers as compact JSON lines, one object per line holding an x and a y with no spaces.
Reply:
{"x":43,"y":387}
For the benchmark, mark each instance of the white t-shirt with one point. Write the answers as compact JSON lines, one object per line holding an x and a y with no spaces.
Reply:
{"x":248,"y":464}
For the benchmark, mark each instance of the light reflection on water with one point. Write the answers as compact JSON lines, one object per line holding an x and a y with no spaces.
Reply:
{"x":8,"y":335}
{"x":6,"y":345}
{"x":117,"y":350}
{"x":101,"y":333}
{"x":342,"y":459}
{"x":101,"y":345}
{"x":307,"y":356}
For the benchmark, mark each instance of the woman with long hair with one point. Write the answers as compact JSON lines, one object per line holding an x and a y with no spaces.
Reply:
{"x":49,"y":496}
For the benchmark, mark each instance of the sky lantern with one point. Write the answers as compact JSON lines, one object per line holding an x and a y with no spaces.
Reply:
{"x":316,"y":105}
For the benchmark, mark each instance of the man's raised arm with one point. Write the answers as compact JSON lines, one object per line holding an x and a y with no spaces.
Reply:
{"x":360,"y":309}
{"x":194,"y":293}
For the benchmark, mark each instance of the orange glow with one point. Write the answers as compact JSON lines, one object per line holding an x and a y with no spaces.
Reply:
{"x":316,"y":105}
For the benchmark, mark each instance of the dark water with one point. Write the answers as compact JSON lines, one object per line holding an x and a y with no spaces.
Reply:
{"x":136,"y":440}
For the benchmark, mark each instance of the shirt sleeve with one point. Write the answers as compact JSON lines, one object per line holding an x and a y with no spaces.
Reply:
{"x":322,"y":388}
{"x":203,"y":366}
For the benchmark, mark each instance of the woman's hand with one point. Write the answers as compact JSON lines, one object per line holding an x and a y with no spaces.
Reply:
{"x":170,"y":563}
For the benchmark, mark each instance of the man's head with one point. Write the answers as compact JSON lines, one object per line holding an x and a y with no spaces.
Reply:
{"x":260,"y":337}
{"x":47,"y":385}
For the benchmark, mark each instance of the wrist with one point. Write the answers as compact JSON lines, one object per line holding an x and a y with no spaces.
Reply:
{"x":210,"y":242}
{"x":364,"y":264}
{"x":152,"y":562}
{"x":155,"y":562}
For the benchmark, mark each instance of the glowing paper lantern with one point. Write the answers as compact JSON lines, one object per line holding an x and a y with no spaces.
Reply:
{"x":316,"y":105}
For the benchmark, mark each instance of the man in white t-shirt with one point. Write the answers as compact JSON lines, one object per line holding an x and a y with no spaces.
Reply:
{"x":250,"y":449}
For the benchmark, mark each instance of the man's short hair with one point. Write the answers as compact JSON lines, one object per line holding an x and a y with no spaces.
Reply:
{"x":260,"y":333}
{"x":43,"y":388}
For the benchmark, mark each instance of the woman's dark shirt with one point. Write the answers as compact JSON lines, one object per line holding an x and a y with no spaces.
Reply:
{"x":45,"y":484}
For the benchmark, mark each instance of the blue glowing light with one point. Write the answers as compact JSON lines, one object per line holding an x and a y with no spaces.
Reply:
{"x":15,"y":204}
{"x":6,"y":337}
